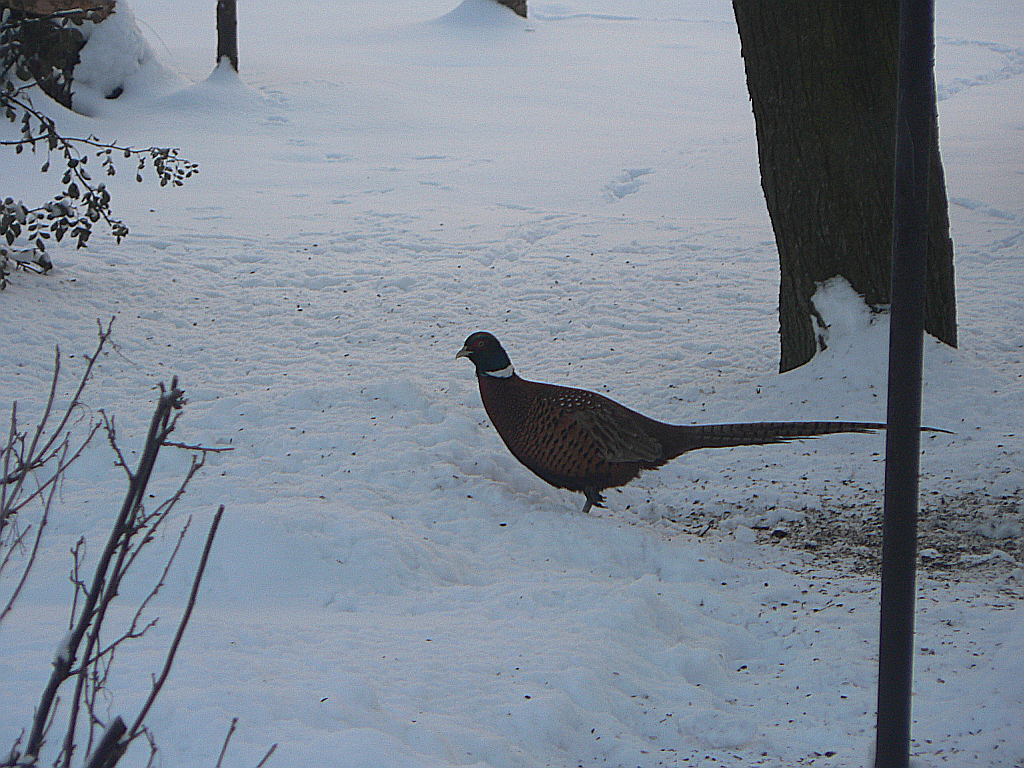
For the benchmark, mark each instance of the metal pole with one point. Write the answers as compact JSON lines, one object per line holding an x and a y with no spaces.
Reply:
{"x":914,"y":124}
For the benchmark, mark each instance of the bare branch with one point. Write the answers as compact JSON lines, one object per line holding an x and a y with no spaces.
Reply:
{"x":111,"y":430}
{"x":35,"y":454}
{"x":56,"y":475}
{"x":227,"y":739}
{"x":105,"y":588}
{"x":49,"y":448}
{"x":200,"y":448}
{"x":156,"y":518}
{"x":32,"y":554}
{"x":133,"y":630}
{"x":77,"y":552}
{"x":13,"y":439}
{"x":82,"y":654}
{"x":159,"y":429}
{"x":15,"y":545}
{"x":266,"y":757}
{"x":110,"y":748}
{"x":159,"y":682}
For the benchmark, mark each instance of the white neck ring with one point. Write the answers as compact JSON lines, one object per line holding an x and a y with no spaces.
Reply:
{"x":504,"y":373}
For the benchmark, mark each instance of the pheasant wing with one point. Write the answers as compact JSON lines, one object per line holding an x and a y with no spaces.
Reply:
{"x":577,"y":439}
{"x":618,"y":434}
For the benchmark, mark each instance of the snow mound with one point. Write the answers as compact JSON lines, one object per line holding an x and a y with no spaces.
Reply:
{"x":116,"y":60}
{"x":481,"y":14}
{"x":222,"y":92}
{"x":845,"y":314}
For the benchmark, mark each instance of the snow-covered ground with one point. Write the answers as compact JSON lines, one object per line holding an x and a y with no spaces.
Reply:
{"x":389,"y":586}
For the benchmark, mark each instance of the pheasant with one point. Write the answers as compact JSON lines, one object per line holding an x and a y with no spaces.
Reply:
{"x":586,"y":442}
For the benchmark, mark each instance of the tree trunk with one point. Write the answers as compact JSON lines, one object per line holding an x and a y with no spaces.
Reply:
{"x":822,"y":81}
{"x":98,"y":10}
{"x":518,"y":6}
{"x":227,"y":32}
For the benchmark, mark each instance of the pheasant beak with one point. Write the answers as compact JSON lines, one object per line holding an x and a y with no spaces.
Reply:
{"x":464,"y":352}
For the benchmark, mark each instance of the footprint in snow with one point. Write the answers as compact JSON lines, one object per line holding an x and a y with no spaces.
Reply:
{"x":626,"y":183}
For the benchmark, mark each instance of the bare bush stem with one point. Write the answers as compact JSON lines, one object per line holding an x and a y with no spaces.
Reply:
{"x":158,"y":683}
{"x":97,"y":597}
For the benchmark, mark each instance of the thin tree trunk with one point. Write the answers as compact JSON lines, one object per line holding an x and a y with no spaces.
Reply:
{"x":227,"y":32}
{"x":822,"y":81}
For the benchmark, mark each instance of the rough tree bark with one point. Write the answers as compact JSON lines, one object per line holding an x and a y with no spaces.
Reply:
{"x":822,"y":81}
{"x":48,"y":39}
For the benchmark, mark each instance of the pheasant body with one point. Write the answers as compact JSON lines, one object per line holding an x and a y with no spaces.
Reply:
{"x":586,"y":442}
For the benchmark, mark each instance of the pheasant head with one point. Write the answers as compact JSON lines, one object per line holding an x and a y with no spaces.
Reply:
{"x":487,"y":354}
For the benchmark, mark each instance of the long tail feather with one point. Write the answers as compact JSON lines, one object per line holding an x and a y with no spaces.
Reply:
{"x":691,"y":438}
